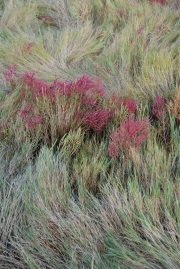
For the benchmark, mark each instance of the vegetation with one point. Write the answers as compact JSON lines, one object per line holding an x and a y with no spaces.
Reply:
{"x":89,"y":134}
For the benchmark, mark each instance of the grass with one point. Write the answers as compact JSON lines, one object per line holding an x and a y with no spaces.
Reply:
{"x":78,"y":187}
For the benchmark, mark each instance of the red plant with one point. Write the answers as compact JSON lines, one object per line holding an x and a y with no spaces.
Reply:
{"x":159,"y":108}
{"x":85,"y":92}
{"x":130,"y":105}
{"x":96,"y":119}
{"x":29,"y":117}
{"x":38,"y":87}
{"x":115,"y":102}
{"x":89,"y":90}
{"x":130,"y":134}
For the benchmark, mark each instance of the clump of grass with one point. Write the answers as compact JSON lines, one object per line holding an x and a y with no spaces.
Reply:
{"x":117,"y":228}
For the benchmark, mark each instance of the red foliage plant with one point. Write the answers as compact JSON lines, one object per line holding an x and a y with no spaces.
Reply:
{"x":130,"y":134}
{"x":88,"y":91}
{"x":38,"y":87}
{"x":159,"y":107}
{"x":29,"y":117}
{"x":130,"y":105}
{"x":96,"y":119}
{"x":116,"y":102}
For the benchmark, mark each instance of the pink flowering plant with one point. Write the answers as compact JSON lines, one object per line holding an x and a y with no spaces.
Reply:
{"x":51,"y":110}
{"x":159,"y":111}
{"x":58,"y":107}
{"x":96,"y":119}
{"x":129,"y":135}
{"x":159,"y":107}
{"x":30,"y":118}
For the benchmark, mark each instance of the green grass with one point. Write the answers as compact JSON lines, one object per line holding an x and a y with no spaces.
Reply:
{"x":64,"y":202}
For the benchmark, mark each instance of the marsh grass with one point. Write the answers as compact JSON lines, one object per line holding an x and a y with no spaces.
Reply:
{"x":64,"y":201}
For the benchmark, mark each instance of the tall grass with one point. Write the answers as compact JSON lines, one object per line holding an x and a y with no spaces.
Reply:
{"x":89,"y":134}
